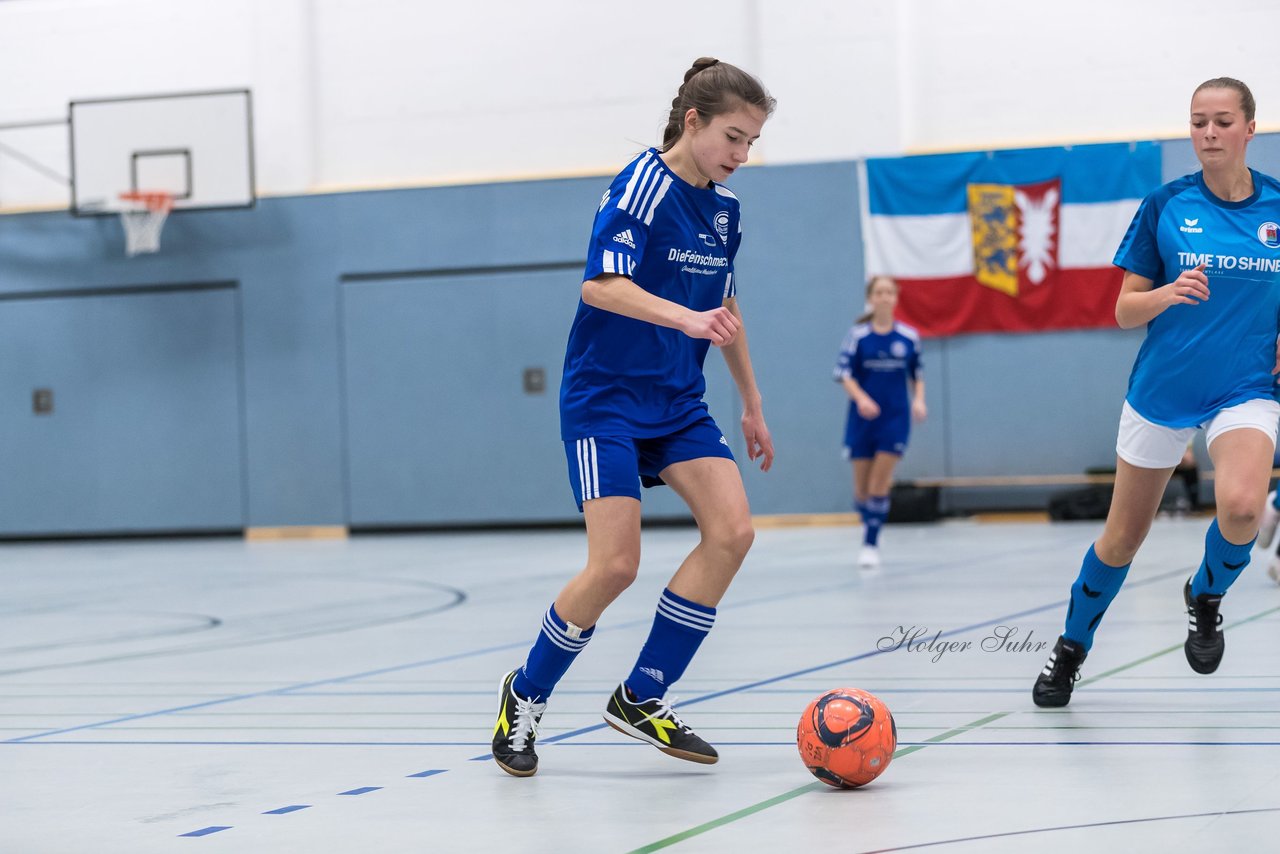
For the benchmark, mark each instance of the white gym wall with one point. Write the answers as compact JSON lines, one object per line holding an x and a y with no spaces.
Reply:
{"x":365,"y":93}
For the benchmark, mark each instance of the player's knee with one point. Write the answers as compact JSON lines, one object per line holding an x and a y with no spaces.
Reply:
{"x":735,"y":538}
{"x":1238,"y":511}
{"x":617,"y":572}
{"x":1118,"y":548}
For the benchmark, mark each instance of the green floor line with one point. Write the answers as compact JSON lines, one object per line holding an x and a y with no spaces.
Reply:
{"x":906,"y":751}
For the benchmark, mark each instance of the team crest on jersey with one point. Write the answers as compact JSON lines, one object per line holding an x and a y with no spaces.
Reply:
{"x":898,"y":349}
{"x":1269,"y":234}
{"x":722,"y":225}
{"x":1014,"y":229}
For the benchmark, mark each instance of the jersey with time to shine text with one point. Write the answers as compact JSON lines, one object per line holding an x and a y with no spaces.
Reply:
{"x":1199,"y":359}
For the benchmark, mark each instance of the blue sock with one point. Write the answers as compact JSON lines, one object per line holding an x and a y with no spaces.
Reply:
{"x":1275,"y":502}
{"x":558,"y":644}
{"x":1093,"y":591}
{"x":1222,"y":563}
{"x":877,"y":510}
{"x":678,"y":630}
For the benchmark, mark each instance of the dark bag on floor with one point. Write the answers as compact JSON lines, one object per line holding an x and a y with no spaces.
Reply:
{"x":914,"y":504}
{"x":1090,"y":502}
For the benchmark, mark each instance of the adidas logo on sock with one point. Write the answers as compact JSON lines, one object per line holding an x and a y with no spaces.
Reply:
{"x":654,"y":674}
{"x":625,"y":239}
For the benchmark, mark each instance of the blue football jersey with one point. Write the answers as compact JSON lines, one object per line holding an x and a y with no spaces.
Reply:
{"x":881,"y":363}
{"x":1199,"y":359}
{"x":626,"y":377}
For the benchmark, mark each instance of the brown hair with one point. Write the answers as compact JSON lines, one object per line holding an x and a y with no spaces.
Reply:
{"x":713,"y":88}
{"x":1246,"y":97}
{"x":871,"y":283}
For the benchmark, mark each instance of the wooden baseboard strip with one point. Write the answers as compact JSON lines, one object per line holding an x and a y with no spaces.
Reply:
{"x":296,"y":532}
{"x":804,"y":520}
{"x":1012,"y":516}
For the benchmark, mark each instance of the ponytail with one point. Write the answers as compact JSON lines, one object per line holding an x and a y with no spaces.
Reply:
{"x":712,"y":88}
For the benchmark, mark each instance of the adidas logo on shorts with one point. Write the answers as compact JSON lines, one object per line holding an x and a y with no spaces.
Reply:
{"x":625,"y":239}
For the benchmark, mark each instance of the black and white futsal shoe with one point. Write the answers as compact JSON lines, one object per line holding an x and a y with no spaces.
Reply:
{"x":1054,"y":684}
{"x":656,"y":722}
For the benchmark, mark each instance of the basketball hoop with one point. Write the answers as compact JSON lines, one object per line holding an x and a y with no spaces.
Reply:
{"x":143,"y":214}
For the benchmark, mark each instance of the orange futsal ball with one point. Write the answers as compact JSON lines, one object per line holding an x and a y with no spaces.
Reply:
{"x":847,"y":737}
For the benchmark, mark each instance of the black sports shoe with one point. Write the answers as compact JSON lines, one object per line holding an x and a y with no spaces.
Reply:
{"x":656,"y":722}
{"x":1054,"y":684}
{"x":516,"y":730}
{"x":1205,"y":641}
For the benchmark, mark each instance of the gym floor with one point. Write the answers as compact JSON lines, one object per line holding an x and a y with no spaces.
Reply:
{"x":217,"y":695}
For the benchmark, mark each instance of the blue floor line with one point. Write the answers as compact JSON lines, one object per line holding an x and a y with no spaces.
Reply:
{"x":205,"y":831}
{"x":627,"y":744}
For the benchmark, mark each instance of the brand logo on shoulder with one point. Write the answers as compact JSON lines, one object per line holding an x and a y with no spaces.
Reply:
{"x":1191,"y":226}
{"x":1269,"y":234}
{"x":625,"y":239}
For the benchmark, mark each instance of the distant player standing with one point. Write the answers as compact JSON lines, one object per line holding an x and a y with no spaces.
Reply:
{"x":879,"y":363}
{"x":1202,"y":271}
{"x":658,"y":290}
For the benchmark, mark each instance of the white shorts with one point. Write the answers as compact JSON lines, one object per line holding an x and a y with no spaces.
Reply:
{"x":1147,"y":445}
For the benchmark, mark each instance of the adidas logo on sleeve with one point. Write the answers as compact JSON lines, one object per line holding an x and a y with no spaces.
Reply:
{"x":625,"y":239}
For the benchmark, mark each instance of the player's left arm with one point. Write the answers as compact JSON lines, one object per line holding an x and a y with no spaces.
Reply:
{"x":738,"y":358}
{"x":918,"y":410}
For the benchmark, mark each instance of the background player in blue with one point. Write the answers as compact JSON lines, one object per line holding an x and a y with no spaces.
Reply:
{"x":878,"y":360}
{"x":658,"y":290}
{"x":1202,"y":270}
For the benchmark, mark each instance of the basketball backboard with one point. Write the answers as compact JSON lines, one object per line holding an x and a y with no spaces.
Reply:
{"x":197,"y":146}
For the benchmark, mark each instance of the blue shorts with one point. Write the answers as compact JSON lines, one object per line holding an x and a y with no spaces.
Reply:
{"x":602,"y":466}
{"x":887,"y":434}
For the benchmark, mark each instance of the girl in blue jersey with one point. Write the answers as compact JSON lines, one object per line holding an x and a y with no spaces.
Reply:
{"x":658,"y":290}
{"x":879,"y":359}
{"x":1202,"y":271}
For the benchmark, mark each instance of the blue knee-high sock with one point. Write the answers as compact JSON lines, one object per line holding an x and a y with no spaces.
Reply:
{"x":558,"y":644}
{"x":1093,"y":591}
{"x":1222,"y":564}
{"x":678,"y":630}
{"x":877,"y":510}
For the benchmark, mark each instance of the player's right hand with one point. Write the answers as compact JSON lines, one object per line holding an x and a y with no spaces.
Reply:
{"x":1190,"y":288}
{"x":719,"y":325}
{"x":867,"y":408}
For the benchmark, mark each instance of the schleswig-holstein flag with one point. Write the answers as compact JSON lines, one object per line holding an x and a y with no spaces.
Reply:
{"x":1017,"y":240}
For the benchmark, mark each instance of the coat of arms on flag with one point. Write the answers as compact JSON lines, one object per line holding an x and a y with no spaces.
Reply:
{"x":1016,"y":240}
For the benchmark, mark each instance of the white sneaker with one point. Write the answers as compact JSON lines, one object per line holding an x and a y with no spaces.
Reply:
{"x":869,"y":557}
{"x":1270,"y":516}
{"x":1273,"y":569}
